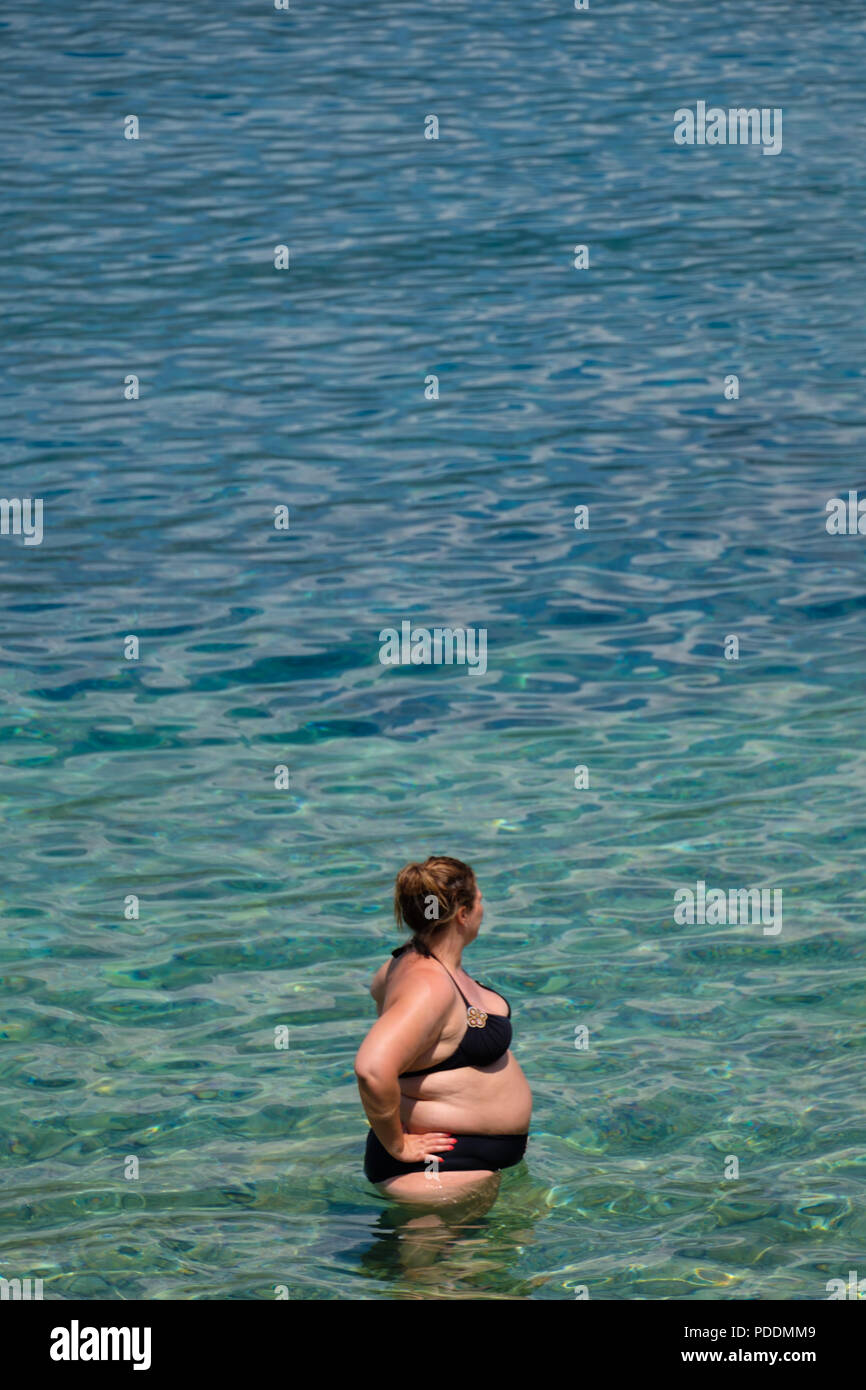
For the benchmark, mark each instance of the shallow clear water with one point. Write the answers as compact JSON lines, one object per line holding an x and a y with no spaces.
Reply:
{"x":154,"y":1038}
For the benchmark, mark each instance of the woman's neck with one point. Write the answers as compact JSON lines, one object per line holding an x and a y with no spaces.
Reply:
{"x":449,"y":951}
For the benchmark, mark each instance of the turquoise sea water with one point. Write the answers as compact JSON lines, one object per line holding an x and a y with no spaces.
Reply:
{"x":259,"y":907}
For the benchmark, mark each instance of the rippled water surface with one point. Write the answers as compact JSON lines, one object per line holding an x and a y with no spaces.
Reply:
{"x":153,"y":1037}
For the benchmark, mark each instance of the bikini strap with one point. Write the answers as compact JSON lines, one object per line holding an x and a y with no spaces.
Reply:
{"x":399,"y":951}
{"x":456,"y":986}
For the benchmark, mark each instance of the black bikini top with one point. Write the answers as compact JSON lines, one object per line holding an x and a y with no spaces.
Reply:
{"x":487,"y":1036}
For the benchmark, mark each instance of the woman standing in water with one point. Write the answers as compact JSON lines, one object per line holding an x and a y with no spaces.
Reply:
{"x":448,"y":1105}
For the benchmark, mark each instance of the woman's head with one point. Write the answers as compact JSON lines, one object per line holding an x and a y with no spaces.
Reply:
{"x":436,"y":895}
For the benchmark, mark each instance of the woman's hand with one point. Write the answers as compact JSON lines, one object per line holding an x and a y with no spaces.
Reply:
{"x":416,"y":1147}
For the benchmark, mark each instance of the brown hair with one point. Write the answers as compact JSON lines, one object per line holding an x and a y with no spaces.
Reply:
{"x":428,"y":896}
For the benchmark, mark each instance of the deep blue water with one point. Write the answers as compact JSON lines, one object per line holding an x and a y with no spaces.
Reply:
{"x":558,"y":387}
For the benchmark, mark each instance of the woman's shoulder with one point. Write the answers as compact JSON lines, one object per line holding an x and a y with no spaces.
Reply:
{"x":404,"y":965}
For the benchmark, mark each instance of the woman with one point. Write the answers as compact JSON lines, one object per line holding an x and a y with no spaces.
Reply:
{"x":448,"y":1105}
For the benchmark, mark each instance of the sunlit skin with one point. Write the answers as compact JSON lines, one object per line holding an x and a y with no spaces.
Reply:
{"x":421,"y":1021}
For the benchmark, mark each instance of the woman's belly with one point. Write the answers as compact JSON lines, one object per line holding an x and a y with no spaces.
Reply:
{"x":468,"y":1100}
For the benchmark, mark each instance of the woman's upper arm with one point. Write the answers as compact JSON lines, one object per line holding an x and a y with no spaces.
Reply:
{"x":411,"y":1023}
{"x":377,"y":984}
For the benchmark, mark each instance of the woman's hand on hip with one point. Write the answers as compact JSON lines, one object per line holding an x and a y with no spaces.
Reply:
{"x":416,"y":1147}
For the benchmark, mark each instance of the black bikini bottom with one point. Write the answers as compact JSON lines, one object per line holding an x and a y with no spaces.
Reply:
{"x":472,"y":1151}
